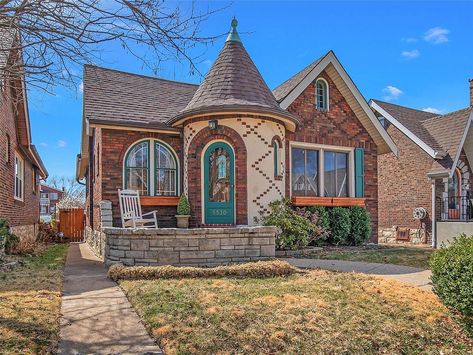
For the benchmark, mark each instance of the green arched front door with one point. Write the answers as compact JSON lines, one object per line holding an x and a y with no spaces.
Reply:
{"x":219,"y":185}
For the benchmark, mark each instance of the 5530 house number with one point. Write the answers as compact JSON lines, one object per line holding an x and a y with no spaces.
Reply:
{"x":219,"y":212}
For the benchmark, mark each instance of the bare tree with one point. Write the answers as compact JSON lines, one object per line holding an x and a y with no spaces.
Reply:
{"x":74,"y":193}
{"x":52,"y":39}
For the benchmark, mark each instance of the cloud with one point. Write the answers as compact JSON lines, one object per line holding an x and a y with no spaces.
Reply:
{"x":43,"y":144}
{"x":81,"y":86}
{"x":392,"y":93}
{"x":207,"y":63}
{"x":432,"y":110}
{"x":410,"y":54}
{"x":437,"y":35}
{"x":61,"y":143}
{"x":409,"y":40}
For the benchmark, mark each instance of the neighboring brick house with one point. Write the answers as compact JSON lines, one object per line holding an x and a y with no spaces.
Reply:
{"x":432,"y":172}
{"x":230,"y":144}
{"x":21,"y":167}
{"x":49,"y":197}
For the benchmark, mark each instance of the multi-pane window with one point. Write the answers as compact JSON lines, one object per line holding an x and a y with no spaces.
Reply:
{"x":151,"y":171}
{"x":319,"y":172}
{"x":166,"y":171}
{"x":277,"y":159}
{"x":305,"y":164}
{"x":19,"y":177}
{"x":53,"y":196}
{"x":335,"y":174}
{"x":321,"y":95}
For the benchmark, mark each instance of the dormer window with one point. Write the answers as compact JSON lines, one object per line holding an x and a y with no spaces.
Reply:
{"x":321,"y":95}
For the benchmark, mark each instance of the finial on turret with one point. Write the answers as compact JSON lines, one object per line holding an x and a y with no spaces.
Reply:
{"x":233,"y":35}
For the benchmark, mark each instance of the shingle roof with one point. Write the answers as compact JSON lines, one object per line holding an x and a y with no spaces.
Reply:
{"x":448,"y":131}
{"x":233,"y":83}
{"x":112,"y":96}
{"x":411,"y":118}
{"x":283,"y":90}
{"x":440,"y":132}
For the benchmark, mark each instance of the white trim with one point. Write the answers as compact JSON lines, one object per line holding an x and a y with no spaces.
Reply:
{"x":22,"y":161}
{"x":202,"y":174}
{"x":433,"y":217}
{"x":321,"y":148}
{"x":327,"y":91}
{"x":151,"y":164}
{"x":331,"y":59}
{"x":460,"y":147}
{"x":425,"y":147}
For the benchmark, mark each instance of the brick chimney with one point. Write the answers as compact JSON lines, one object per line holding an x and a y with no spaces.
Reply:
{"x":471,"y":92}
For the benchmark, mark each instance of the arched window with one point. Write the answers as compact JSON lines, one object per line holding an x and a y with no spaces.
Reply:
{"x":151,"y":168}
{"x":137,"y":168}
{"x":454,"y":190}
{"x":166,"y":171}
{"x":321,"y":95}
{"x":277,"y":158}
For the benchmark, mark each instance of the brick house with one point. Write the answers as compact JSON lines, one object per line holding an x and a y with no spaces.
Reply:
{"x":432,"y":172}
{"x":230,"y":144}
{"x":49,"y":197}
{"x":21,"y":167}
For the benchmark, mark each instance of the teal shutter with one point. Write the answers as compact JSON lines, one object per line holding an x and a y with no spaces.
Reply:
{"x":359,"y":172}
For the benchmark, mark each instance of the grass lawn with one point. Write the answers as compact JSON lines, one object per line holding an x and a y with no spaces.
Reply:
{"x":315,"y":312}
{"x":400,"y":255}
{"x":30,"y":301}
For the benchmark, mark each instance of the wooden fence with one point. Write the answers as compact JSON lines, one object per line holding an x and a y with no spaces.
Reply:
{"x":71,"y":224}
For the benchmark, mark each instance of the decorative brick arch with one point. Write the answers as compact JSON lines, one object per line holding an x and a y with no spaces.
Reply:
{"x":194,"y":172}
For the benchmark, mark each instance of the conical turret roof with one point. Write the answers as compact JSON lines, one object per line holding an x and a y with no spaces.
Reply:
{"x":233,"y":84}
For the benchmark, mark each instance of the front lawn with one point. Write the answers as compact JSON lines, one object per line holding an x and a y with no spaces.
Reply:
{"x":399,"y":255}
{"x":30,"y":301}
{"x":315,"y":312}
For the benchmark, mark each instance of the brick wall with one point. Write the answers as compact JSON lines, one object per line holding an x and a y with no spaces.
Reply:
{"x":106,"y":171}
{"x":404,"y":185}
{"x":340,"y":127}
{"x":172,"y":246}
{"x":19,"y":213}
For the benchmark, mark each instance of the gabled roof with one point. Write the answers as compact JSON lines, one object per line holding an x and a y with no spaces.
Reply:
{"x":120,"y":98}
{"x":292,"y":88}
{"x":440,"y":136}
{"x":233,"y":84}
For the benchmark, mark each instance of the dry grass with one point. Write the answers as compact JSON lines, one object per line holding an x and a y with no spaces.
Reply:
{"x":399,"y":255}
{"x":30,"y":299}
{"x":255,"y":269}
{"x":315,"y":312}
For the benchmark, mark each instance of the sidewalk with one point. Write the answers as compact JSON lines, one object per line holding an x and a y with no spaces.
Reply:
{"x":406,"y":274}
{"x":96,"y":315}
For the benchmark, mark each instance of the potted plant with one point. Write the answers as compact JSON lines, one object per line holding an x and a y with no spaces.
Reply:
{"x":183,"y":212}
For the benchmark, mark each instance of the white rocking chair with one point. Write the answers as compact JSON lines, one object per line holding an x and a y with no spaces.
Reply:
{"x":130,"y":210}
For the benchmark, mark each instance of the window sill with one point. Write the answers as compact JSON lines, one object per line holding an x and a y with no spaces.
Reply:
{"x":159,"y":200}
{"x":301,"y":201}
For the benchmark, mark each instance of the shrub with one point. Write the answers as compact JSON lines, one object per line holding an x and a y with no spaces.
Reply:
{"x":452,"y":276}
{"x":360,"y":225}
{"x":259,"y":269}
{"x":340,"y":225}
{"x":11,"y":240}
{"x":321,"y":230}
{"x":183,"y":208}
{"x":295,"y":231}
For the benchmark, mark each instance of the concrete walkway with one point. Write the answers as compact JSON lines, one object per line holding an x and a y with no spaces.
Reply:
{"x":96,"y":316}
{"x":406,"y":274}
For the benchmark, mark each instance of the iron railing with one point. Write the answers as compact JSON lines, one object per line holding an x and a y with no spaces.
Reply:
{"x":456,"y":208}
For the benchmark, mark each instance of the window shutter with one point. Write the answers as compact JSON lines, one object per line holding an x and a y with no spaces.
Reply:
{"x":359,"y":172}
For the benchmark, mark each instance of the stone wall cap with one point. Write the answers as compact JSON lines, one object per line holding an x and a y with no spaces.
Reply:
{"x":190,"y":231}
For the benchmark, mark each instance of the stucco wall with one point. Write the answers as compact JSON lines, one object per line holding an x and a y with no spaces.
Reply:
{"x":257,"y":135}
{"x":446,"y":231}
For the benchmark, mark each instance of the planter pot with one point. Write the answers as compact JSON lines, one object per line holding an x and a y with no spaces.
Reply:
{"x":182,"y":221}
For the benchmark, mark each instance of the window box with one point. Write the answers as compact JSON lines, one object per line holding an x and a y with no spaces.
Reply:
{"x":302,"y":201}
{"x":159,"y":200}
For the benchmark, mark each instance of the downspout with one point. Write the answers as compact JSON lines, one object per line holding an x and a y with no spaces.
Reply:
{"x":433,"y":217}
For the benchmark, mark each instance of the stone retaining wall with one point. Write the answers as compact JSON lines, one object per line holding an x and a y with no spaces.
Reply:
{"x":388,"y":236}
{"x":173,"y":246}
{"x":96,"y":240}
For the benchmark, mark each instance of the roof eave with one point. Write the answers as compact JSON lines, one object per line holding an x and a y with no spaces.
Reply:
{"x":289,"y":120}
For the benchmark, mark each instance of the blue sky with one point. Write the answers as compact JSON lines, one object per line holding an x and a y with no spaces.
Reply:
{"x":418,"y":54}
